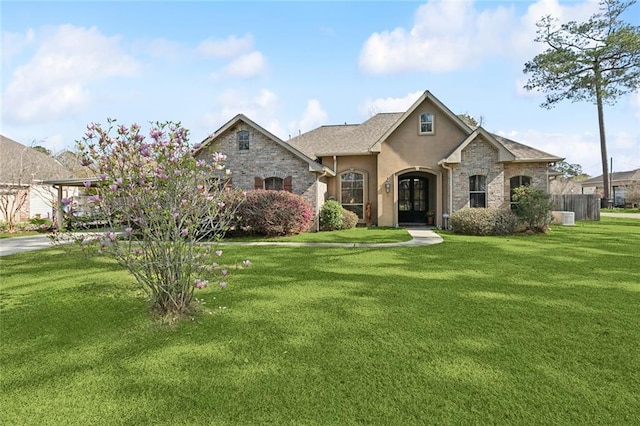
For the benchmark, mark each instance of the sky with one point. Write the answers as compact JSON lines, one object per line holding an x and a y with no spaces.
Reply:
{"x":291,"y":67}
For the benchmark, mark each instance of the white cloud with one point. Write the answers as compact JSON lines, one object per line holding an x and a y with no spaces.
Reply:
{"x":56,"y":79}
{"x":227,"y":48}
{"x":371,"y":107}
{"x":452,"y":35}
{"x":246,"y":66}
{"x":313,"y":116}
{"x":14,"y":43}
{"x":446,"y":36}
{"x":634,"y":101}
{"x":583,"y":148}
{"x":261,"y":108}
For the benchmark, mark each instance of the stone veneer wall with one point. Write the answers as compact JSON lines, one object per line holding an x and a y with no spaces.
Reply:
{"x":264,"y":158}
{"x":537,"y":172}
{"x":479,"y":158}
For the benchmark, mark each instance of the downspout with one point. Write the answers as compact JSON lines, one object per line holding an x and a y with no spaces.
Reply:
{"x":324,"y":174}
{"x":450,"y":191}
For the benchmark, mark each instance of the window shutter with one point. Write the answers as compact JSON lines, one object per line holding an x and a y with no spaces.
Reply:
{"x":288,"y":184}
{"x":257,"y":183}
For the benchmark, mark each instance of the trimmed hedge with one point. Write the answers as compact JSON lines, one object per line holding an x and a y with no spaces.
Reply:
{"x":334,"y":217}
{"x":349,"y":219}
{"x":274,"y":213}
{"x":483,"y":221}
{"x":331,"y":216}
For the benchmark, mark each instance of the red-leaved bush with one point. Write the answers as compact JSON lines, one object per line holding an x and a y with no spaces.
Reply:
{"x":273,"y":213}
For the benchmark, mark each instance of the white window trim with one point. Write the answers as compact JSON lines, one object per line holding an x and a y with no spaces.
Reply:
{"x":365,"y":190}
{"x":433,"y":123}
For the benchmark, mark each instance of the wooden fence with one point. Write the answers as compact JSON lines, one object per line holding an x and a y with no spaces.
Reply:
{"x":584,"y":206}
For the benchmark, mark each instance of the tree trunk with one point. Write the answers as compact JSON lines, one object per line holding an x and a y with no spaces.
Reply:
{"x":603,"y":138}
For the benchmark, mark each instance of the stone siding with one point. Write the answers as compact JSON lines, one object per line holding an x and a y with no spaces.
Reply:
{"x":536,"y":171}
{"x":479,"y":158}
{"x":265,"y":158}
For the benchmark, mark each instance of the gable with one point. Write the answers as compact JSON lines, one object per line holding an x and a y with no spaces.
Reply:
{"x":227,"y":141}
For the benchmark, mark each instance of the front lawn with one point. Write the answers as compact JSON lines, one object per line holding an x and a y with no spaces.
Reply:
{"x":477,"y":330}
{"x":354,"y":235}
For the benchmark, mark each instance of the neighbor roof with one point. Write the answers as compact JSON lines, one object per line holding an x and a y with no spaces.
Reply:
{"x":22,"y":164}
{"x":616,"y":177}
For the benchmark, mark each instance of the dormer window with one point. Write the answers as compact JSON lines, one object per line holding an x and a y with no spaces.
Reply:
{"x":243,"y":140}
{"x":426,"y":123}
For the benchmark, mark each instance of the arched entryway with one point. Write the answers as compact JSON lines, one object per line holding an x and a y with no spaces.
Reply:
{"x":415,"y":198}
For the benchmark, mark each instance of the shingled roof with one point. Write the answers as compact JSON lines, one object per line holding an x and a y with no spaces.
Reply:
{"x":616,"y":177}
{"x":20,"y":164}
{"x":358,"y":139}
{"x":524,"y":152}
{"x":345,"y":139}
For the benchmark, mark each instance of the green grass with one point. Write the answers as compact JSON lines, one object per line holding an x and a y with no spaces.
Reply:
{"x":619,"y":210}
{"x":477,"y":330}
{"x":18,"y":234}
{"x":355,"y":235}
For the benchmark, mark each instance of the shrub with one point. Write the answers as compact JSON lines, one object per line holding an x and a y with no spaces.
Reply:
{"x":331,"y":216}
{"x":273,"y":213}
{"x":349,"y":219}
{"x":533,"y":208}
{"x":41,"y":224}
{"x":483,"y":221}
{"x":157,"y":202}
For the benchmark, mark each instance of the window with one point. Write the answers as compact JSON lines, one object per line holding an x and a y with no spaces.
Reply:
{"x":274,"y":184}
{"x":243,"y":140}
{"x":517,"y":182}
{"x":352,"y":192}
{"x":478,"y":191}
{"x":426,"y":123}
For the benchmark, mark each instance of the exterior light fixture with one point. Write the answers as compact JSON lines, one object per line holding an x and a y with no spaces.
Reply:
{"x":387,"y":186}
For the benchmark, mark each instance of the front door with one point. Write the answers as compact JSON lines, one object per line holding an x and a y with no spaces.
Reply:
{"x":412,"y":200}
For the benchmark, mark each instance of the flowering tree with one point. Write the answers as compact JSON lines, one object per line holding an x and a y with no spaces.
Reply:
{"x":159,"y":205}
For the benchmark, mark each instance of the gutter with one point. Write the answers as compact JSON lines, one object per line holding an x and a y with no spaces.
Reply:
{"x":450,"y":191}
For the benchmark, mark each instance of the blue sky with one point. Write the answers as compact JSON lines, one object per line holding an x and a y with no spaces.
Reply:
{"x":292,"y":66}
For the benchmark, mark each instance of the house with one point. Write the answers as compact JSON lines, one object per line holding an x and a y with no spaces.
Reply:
{"x":23,"y":195}
{"x":622,"y":183}
{"x":395,"y":169}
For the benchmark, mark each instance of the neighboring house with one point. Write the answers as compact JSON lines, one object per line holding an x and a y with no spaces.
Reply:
{"x":394,"y":169}
{"x":621,"y":184}
{"x":22,"y":171}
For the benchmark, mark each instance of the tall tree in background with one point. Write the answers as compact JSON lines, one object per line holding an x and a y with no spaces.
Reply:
{"x":596,"y":61}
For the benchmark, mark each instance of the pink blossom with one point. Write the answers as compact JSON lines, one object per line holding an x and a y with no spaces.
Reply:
{"x":103,"y":176}
{"x":128,"y":230}
{"x":221,"y":204}
{"x":185,"y":232}
{"x":218,"y":253}
{"x":246,"y":263}
{"x":87,"y":184}
{"x":93,"y":199}
{"x":197,"y":146}
{"x":67,"y":201}
{"x":224,"y":272}
{"x":201,"y":283}
{"x":214,"y":265}
{"x":113,"y":187}
{"x":223,"y":285}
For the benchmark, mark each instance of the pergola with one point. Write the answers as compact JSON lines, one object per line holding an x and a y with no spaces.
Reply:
{"x":59,"y":184}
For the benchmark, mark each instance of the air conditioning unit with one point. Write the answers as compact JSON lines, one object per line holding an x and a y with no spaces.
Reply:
{"x":568,"y":218}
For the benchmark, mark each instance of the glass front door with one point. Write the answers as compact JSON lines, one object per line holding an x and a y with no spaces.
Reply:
{"x":412,"y":200}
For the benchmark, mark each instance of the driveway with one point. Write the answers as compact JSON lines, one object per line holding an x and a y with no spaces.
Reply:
{"x":622,"y":215}
{"x":19,"y":244}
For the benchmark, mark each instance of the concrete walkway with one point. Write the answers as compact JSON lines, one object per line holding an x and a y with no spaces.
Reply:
{"x":420,"y":237}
